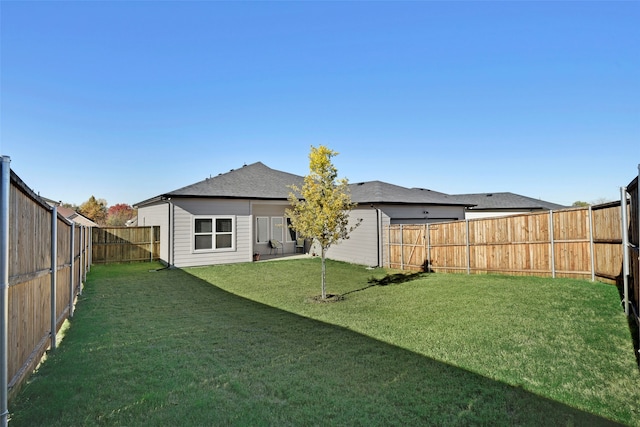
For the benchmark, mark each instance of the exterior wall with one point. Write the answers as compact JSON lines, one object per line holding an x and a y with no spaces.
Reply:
{"x":271,"y":209}
{"x":475,"y":214}
{"x":157,"y":214}
{"x":363,"y":246}
{"x":415,"y":214}
{"x":186,"y":209}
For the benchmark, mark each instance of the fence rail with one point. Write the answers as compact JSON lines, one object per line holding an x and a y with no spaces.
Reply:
{"x":44,"y":267}
{"x":125,"y":244}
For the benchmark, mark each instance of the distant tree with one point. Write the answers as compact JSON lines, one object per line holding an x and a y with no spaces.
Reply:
{"x":600,"y":201}
{"x":323,"y":211}
{"x":578,"y":203}
{"x":95,"y":210}
{"x":119,"y":214}
{"x":71,"y":206}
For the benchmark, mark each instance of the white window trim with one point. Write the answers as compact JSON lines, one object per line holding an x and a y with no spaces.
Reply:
{"x":213,"y":219}
{"x":287,"y":231}
{"x":273,"y":226}
{"x":268,"y":229}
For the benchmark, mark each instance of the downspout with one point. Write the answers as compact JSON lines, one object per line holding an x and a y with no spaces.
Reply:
{"x":5,"y":189}
{"x":169,"y":233}
{"x":379,"y":234}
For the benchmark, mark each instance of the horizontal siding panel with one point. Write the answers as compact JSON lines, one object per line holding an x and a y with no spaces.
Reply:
{"x":362,"y":246}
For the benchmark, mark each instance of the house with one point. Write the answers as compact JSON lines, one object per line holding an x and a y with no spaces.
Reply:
{"x":74,"y":216}
{"x":229,"y":217}
{"x":501,"y":204}
{"x":69,"y":213}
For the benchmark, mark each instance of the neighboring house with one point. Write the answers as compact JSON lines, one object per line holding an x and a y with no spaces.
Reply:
{"x":74,"y":216}
{"x":502,"y":204}
{"x":228,"y":218}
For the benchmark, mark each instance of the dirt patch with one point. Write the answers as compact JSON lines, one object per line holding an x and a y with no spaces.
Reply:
{"x":330,"y":298}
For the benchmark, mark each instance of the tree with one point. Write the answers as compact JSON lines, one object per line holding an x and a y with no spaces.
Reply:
{"x":579,"y":203}
{"x":119,"y":214}
{"x":323,"y":211}
{"x":95,"y":210}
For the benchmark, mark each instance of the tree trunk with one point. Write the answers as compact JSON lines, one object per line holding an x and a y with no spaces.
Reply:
{"x":324,"y":288}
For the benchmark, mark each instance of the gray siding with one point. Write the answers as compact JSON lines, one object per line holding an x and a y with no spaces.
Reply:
{"x":157,"y":214}
{"x":185,"y":209}
{"x":270,"y":209}
{"x":362,"y":247}
{"x":415,"y":214}
{"x":473,"y":214}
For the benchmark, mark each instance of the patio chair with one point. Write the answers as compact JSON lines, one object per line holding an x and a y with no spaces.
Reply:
{"x":300,"y":245}
{"x":275,"y":245}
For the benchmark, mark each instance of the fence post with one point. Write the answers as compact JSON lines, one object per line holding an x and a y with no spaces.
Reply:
{"x":591,"y":246}
{"x":81,"y":259}
{"x":401,"y":247}
{"x":468,"y":248}
{"x":5,"y":188}
{"x":90,"y":252}
{"x":389,"y":245}
{"x":551,"y":243}
{"x":151,"y":244}
{"x":73,"y":272}
{"x":54,"y":272}
{"x":429,"y":246}
{"x":625,"y":248}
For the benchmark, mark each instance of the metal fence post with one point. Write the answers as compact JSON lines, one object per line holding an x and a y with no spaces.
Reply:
{"x":5,"y":188}
{"x":625,"y":247}
{"x":54,"y":272}
{"x":73,"y":272}
{"x":89,"y":251}
{"x":81,"y":259}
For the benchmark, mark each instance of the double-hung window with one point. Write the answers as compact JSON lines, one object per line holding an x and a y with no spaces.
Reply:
{"x":213,"y":233}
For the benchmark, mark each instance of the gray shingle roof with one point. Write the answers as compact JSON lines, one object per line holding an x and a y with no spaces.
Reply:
{"x":382,"y":192}
{"x":254,"y":181}
{"x":505,"y":201}
{"x":258,"y":181}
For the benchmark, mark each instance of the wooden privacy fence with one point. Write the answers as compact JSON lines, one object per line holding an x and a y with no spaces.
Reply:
{"x":579,"y":243}
{"x":125,"y":244}
{"x":43,"y":268}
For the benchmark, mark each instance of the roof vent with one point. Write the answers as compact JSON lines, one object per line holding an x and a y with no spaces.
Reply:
{"x":360,"y":183}
{"x":489,"y":195}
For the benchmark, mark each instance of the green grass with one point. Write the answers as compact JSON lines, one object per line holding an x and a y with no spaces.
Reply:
{"x":245,"y":344}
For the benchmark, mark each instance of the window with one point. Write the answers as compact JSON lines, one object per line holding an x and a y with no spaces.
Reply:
{"x":277,"y":229}
{"x":212,"y":233}
{"x":291,"y":233}
{"x":262,"y":229}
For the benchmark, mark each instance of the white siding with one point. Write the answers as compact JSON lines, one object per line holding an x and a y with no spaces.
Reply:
{"x":185,"y":209}
{"x":157,"y":214}
{"x":362,"y":247}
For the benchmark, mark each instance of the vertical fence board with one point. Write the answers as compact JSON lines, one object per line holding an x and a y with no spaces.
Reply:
{"x":516,"y":245}
{"x":125,"y":244}
{"x":30,"y":270}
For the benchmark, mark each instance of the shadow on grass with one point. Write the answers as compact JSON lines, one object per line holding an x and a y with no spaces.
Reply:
{"x":633,"y":326}
{"x":389,"y":279}
{"x":179,"y":350}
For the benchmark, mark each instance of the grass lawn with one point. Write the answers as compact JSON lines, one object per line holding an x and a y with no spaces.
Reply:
{"x":246,"y":344}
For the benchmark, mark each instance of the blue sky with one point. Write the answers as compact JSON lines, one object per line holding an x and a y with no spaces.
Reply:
{"x":128,"y":100}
